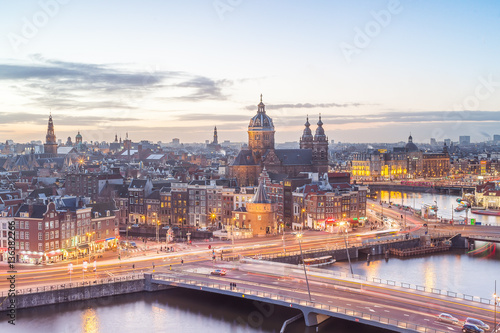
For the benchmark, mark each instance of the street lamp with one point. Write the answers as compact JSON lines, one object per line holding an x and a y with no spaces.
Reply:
{"x":128,"y":227}
{"x":283,"y":230}
{"x":345,"y":241}
{"x":157,"y":230}
{"x":299,"y":236}
{"x":302,"y":216}
{"x":496,"y":300}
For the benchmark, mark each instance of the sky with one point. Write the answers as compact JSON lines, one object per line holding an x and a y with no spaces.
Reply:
{"x":376,"y":71}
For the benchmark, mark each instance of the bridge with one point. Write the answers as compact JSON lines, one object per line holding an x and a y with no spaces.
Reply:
{"x":398,"y":307}
{"x":485,"y":238}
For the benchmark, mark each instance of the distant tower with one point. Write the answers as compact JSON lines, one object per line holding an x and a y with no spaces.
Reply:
{"x":320,"y":147}
{"x":116,"y":137}
{"x":78,"y":139}
{"x":69,"y":143}
{"x":50,"y":146}
{"x":260,"y":132}
{"x":216,"y":141}
{"x":306,"y":141}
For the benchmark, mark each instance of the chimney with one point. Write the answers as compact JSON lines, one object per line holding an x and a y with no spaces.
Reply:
{"x":30,"y":209}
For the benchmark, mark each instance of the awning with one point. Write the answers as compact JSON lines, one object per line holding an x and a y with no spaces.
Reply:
{"x":83,"y":246}
{"x":111,"y":238}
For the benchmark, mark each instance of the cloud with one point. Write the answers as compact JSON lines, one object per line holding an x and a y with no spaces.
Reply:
{"x":305,"y":106}
{"x":81,"y":86}
{"x":40,"y":119}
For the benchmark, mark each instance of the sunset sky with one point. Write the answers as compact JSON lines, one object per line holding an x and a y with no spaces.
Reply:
{"x":375,"y":70}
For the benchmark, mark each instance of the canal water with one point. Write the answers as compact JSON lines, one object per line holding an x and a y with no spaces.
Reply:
{"x":182,"y":311}
{"x":446,"y":205}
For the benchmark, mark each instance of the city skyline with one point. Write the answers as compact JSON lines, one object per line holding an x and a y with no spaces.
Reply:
{"x":375,"y":70}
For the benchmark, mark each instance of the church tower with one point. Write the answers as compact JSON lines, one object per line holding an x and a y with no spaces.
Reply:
{"x":216,"y":140}
{"x":306,"y":141}
{"x":260,"y":133}
{"x":50,"y":146}
{"x":78,"y":139}
{"x":320,"y":147}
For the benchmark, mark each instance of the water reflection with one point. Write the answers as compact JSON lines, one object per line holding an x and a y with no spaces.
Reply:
{"x":446,"y":205}
{"x":456,"y":270}
{"x":175,"y":310}
{"x":90,"y":321}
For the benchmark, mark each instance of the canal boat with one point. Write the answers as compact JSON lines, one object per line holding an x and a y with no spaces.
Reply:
{"x":318,"y":262}
{"x":486,"y":212}
{"x":460,"y":208}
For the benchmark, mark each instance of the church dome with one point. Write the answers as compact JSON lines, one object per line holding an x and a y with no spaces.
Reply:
{"x":320,"y":132}
{"x":79,"y":136}
{"x":261,"y":120}
{"x":410,"y":146}
{"x":307,"y":131}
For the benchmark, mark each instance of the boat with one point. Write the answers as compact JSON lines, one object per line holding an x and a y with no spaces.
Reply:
{"x":486,"y":212}
{"x":460,"y":208}
{"x":318,"y":262}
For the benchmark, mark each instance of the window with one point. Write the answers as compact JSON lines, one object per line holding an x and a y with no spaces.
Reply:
{"x":40,"y":247}
{"x":57,"y":244}
{"x":57,"y":234}
{"x":57,"y":223}
{"x":22,"y":225}
{"x":22,"y":245}
{"x":26,"y":235}
{"x":21,"y":235}
{"x":40,"y":236}
{"x":51,"y":235}
{"x":259,"y":217}
{"x":47,"y":235}
{"x":47,"y":225}
{"x":27,"y":224}
{"x":40,"y":225}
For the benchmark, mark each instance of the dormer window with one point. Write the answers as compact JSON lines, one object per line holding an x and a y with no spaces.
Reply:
{"x":108,"y":213}
{"x":96,"y":215}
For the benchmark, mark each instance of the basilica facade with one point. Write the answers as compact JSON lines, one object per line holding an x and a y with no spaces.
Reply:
{"x":261,"y":154}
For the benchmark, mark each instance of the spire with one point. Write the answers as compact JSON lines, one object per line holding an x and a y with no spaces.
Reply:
{"x":307,"y":121}
{"x":216,"y":140}
{"x":410,"y":138}
{"x":261,"y":106}
{"x":320,"y":123}
{"x":260,"y":195}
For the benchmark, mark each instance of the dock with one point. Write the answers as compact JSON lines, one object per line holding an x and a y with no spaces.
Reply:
{"x":417,"y":251}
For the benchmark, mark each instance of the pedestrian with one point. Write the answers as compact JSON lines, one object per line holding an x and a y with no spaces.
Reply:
{"x":182,"y":261}
{"x":170,"y":267}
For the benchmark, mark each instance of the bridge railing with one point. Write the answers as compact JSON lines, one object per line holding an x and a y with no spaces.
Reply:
{"x":290,"y":301}
{"x":89,"y":282}
{"x":370,"y":279}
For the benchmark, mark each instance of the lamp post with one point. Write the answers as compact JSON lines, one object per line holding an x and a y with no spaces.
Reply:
{"x":304,"y":264}
{"x":128,"y":227}
{"x":345,"y":241}
{"x":283,"y":230}
{"x":496,"y":300}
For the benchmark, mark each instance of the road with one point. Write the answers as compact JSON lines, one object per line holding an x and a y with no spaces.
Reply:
{"x":389,"y":302}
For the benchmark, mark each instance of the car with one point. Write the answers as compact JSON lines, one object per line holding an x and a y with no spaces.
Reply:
{"x":218,"y":272}
{"x":447,"y":318}
{"x":478,"y":323}
{"x":470,"y":328}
